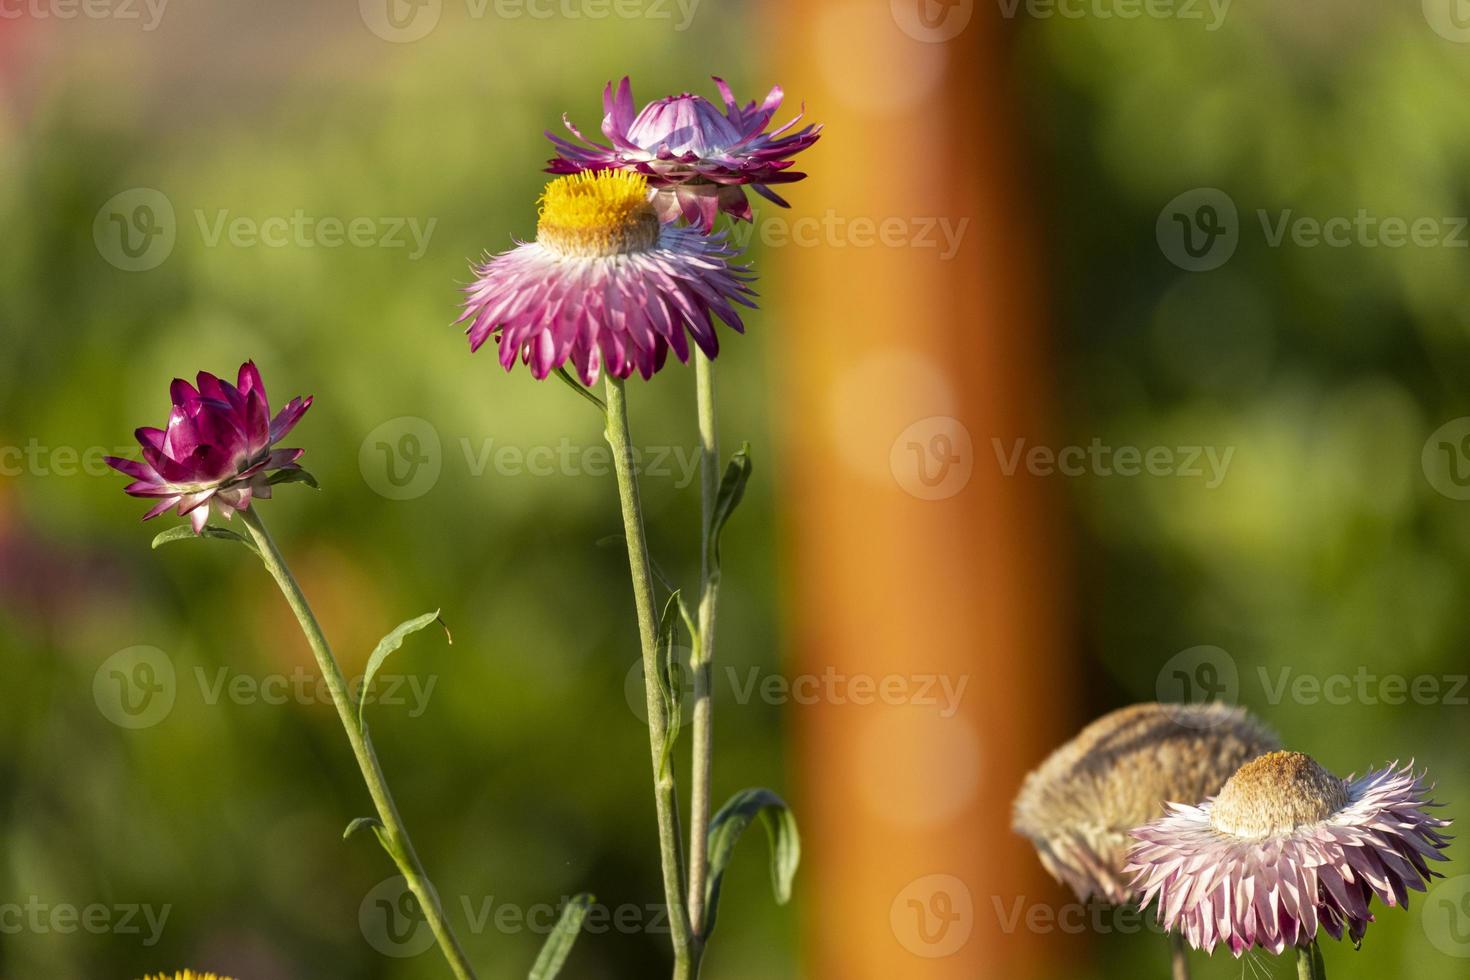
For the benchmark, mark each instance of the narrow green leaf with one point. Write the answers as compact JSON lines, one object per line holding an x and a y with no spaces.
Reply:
{"x":386,"y":647}
{"x":294,"y":476}
{"x":559,"y":944}
{"x":379,"y":831}
{"x":361,"y":823}
{"x":670,"y":684}
{"x":685,"y":613}
{"x":724,"y":833}
{"x":184,"y":532}
{"x":581,"y":389}
{"x":732,"y":488}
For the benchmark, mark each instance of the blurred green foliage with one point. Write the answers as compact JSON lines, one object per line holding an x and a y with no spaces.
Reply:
{"x":1326,"y":551}
{"x":526,"y":778}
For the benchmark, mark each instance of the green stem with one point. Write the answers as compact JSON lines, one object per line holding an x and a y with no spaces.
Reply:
{"x":395,"y":837}
{"x":1179,"y":959}
{"x":1309,"y":965}
{"x":709,"y":593}
{"x":665,"y":801}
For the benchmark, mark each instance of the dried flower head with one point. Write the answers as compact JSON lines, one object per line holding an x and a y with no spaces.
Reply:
{"x":1287,"y":848}
{"x":1078,"y":806}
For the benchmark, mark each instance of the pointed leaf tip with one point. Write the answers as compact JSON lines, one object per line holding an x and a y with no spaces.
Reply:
{"x":386,"y":647}
{"x":670,"y":684}
{"x":361,"y":823}
{"x":724,"y":833}
{"x":559,"y":944}
{"x":732,"y":490}
{"x":294,"y":476}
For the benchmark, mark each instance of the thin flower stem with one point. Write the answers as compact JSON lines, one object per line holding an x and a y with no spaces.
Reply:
{"x":396,"y":839}
{"x":1309,"y":965}
{"x":686,"y":955}
{"x":709,"y":593}
{"x":1180,"y":956}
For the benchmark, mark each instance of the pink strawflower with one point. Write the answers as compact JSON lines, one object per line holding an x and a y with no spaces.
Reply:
{"x":696,"y":156}
{"x":218,"y":450}
{"x":1287,"y":848}
{"x":605,"y":285}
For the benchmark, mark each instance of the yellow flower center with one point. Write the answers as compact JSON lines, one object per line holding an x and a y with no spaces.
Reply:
{"x":601,"y":213}
{"x":185,"y":975}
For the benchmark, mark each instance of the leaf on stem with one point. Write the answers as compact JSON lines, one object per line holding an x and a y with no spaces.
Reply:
{"x":581,"y":389}
{"x":294,"y":476}
{"x":732,"y":489}
{"x":670,"y":684}
{"x":724,"y":833}
{"x":186,"y":533}
{"x":379,"y":831}
{"x":361,"y":823}
{"x":559,"y":944}
{"x":385,"y":648}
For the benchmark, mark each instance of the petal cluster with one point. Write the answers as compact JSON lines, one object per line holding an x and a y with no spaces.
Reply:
{"x":696,"y":156}
{"x":1276,"y":891}
{"x":217,"y":450}
{"x":618,"y":313}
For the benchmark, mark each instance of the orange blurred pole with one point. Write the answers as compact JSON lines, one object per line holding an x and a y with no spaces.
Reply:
{"x":912,"y":553}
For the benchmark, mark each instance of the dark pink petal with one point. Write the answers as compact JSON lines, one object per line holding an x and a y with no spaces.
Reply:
{"x":617,"y":109}
{"x":160,"y":507}
{"x":181,"y":392}
{"x":148,"y":488}
{"x":133,"y":468}
{"x":148,"y":436}
{"x":770,"y":195}
{"x":257,"y":422}
{"x":288,"y":416}
{"x":249,"y":380}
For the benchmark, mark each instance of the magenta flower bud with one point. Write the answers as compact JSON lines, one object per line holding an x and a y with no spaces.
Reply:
{"x":696,"y":156}
{"x":217,"y":451}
